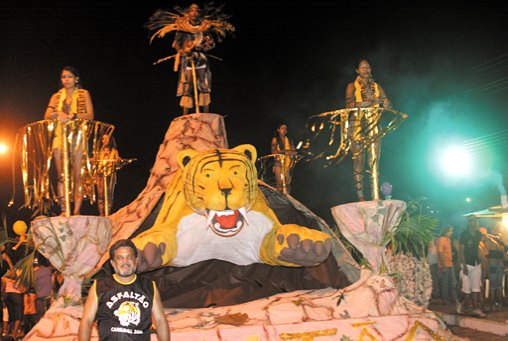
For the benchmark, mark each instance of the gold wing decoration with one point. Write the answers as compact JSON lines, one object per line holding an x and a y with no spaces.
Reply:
{"x":34,"y":147}
{"x":330,"y":135}
{"x":264,"y":165}
{"x":106,"y":167}
{"x":212,"y":19}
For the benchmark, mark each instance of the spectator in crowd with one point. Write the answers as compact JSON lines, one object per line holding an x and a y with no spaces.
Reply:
{"x":43,"y":273}
{"x":496,"y":259}
{"x":13,"y":299}
{"x":446,"y":272}
{"x":5,"y":265}
{"x":29,"y":311}
{"x":471,"y":268}
{"x":432,"y":261}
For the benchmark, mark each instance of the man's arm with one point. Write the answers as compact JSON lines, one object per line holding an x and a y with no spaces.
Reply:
{"x":462,"y":259}
{"x":6,"y":258}
{"x":159,"y":318}
{"x":89,"y":311}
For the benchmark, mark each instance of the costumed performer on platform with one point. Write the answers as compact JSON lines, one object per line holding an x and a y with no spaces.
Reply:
{"x":70,"y":102}
{"x":283,"y":145}
{"x":364,"y":92}
{"x":193,"y":39}
{"x":108,"y":158}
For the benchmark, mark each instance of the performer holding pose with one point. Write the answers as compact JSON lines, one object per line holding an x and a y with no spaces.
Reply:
{"x":364,"y":92}
{"x":194,"y":29}
{"x":108,"y":158}
{"x":283,"y":145}
{"x":70,"y":102}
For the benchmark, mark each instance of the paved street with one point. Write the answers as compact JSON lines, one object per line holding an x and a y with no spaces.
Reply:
{"x":491,"y":325}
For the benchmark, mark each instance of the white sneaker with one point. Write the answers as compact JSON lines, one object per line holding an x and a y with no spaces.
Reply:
{"x":478,"y":313}
{"x":458,"y":307}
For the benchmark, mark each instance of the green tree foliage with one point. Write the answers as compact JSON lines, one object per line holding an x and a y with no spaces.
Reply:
{"x":414,"y":231}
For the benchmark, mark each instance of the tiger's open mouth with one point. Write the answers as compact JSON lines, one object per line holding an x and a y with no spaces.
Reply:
{"x":226,"y":223}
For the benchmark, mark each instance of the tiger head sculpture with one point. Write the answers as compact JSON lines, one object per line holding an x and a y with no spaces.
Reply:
{"x":214,"y":209}
{"x":221,"y":184}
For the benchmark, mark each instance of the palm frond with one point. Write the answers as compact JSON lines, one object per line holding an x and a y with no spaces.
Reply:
{"x":414,"y":231}
{"x":26,"y":275}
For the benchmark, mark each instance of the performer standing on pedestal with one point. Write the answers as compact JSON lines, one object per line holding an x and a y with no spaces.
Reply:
{"x":283,"y":165}
{"x":70,"y":102}
{"x":193,"y":39}
{"x":108,"y":158}
{"x":364,"y":92}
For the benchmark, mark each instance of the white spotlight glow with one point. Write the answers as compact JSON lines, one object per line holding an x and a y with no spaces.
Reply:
{"x":455,"y":162}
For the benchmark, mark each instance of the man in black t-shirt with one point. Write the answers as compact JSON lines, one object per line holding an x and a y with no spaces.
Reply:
{"x":124,"y":305}
{"x":471,"y":267}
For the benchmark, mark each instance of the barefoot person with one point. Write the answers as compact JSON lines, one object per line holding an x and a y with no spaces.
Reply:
{"x":70,"y":102}
{"x":364,"y":92}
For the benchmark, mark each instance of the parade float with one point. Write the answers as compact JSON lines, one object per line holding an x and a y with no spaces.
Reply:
{"x":233,"y":258}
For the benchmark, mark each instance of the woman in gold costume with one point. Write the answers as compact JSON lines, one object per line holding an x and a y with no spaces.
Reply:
{"x":283,"y":145}
{"x":364,"y":93}
{"x":70,"y":102}
{"x":108,"y":158}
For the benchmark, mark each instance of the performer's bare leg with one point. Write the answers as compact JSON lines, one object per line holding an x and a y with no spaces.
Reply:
{"x":374,"y":151}
{"x":111,"y":186}
{"x":277,"y":170}
{"x":100,"y":195}
{"x":187,"y":103}
{"x":57,"y":157}
{"x":357,"y":153}
{"x":76,"y":170}
{"x":358,"y":168}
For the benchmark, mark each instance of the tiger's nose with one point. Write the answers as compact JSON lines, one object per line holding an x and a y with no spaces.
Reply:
{"x":226,"y":191}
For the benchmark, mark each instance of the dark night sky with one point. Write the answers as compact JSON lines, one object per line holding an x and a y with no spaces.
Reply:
{"x":444,"y":64}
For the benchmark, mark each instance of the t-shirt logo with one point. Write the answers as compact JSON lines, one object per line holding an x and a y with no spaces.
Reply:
{"x":128,"y":313}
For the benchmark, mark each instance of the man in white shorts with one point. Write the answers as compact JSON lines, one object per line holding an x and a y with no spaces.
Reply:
{"x":471,"y":267}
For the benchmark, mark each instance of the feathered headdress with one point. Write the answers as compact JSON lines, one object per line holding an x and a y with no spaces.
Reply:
{"x":211,"y":19}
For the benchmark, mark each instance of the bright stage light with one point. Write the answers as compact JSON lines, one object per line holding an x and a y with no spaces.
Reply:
{"x":468,"y":199}
{"x":3,"y":148}
{"x":455,"y":162}
{"x":504,"y":219}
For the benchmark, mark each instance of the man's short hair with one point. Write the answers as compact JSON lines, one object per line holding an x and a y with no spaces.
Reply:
{"x":121,"y":243}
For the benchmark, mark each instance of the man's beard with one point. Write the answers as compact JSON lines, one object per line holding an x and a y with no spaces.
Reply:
{"x":126,"y":272}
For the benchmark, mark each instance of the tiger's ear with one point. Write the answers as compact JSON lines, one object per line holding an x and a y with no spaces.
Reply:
{"x":248,"y":150}
{"x":185,"y":156}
